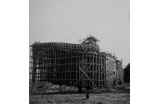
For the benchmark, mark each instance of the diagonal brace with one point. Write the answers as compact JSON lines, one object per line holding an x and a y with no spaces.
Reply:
{"x":83,"y":74}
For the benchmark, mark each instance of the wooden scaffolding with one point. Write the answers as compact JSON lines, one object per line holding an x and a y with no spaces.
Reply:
{"x":64,"y":63}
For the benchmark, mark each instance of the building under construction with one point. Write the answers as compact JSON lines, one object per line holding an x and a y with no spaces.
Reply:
{"x":74,"y":64}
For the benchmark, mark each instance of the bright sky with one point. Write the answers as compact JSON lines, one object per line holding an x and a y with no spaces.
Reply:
{"x":72,"y":20}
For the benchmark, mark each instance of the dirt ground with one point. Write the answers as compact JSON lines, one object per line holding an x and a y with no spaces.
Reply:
{"x":102,"y":98}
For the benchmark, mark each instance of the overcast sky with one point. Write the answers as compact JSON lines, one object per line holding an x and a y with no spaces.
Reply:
{"x":72,"y":20}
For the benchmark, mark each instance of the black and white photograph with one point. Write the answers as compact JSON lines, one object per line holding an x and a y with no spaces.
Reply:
{"x":79,"y":51}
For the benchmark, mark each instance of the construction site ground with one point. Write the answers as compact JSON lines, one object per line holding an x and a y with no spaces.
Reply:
{"x":99,"y":98}
{"x":47,"y":93}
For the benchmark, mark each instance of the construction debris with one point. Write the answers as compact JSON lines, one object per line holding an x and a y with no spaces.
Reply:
{"x":123,"y":87}
{"x":46,"y":87}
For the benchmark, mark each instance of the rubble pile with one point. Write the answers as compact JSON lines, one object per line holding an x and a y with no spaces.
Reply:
{"x":123,"y":87}
{"x":46,"y":87}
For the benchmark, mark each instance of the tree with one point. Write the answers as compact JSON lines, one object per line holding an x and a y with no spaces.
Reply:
{"x":127,"y":74}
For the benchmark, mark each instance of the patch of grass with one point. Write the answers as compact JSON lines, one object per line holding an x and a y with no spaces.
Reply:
{"x":49,"y":102}
{"x":33,"y":102}
{"x":103,"y":98}
{"x":100,"y":103}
